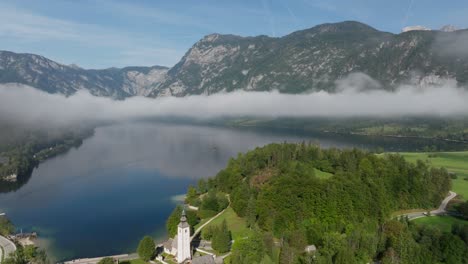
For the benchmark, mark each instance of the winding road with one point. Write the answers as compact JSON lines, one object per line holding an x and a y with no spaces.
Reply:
{"x":438,"y":211}
{"x":7,"y":246}
{"x":209,"y":221}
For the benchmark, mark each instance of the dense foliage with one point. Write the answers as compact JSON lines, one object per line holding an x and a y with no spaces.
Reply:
{"x":20,"y":154}
{"x":106,"y":260}
{"x":27,"y":254}
{"x":463,"y":209}
{"x":346,"y":216}
{"x":6,"y":227}
{"x":250,"y":250}
{"x":146,"y":248}
{"x":419,"y":130}
{"x":221,"y":238}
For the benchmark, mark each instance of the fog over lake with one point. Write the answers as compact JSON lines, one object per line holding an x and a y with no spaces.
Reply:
{"x":104,"y":196}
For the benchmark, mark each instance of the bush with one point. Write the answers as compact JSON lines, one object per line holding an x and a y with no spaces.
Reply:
{"x":191,"y":195}
{"x":206,"y":213}
{"x":106,"y":260}
{"x":196,"y":202}
{"x":214,"y":201}
{"x":146,"y":248}
{"x":463,"y":209}
{"x":208,"y":232}
{"x":223,"y":202}
{"x":6,"y":227}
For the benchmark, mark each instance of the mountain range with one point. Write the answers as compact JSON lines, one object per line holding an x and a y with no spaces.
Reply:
{"x":307,"y":60}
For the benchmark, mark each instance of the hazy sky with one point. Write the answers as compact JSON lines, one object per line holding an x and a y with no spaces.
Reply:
{"x":101,"y":34}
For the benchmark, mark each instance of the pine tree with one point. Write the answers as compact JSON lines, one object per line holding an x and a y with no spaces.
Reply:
{"x":146,"y":248}
{"x":251,"y":213}
{"x":173,"y":220}
{"x":221,"y":241}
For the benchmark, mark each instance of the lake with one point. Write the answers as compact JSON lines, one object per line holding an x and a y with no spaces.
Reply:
{"x":122,"y":182}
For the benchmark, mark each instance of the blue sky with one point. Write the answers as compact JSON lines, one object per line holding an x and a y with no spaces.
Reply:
{"x":106,"y":33}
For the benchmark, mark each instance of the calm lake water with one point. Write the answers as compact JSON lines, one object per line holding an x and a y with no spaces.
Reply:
{"x":120,"y":185}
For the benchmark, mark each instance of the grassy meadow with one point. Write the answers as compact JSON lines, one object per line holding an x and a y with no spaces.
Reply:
{"x":456,"y":162}
{"x":444,"y":223}
{"x":236,"y":224}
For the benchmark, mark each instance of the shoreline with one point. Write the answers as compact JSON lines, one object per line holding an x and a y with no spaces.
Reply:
{"x":347,"y":133}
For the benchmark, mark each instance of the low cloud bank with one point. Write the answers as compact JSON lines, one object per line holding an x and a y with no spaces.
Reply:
{"x":23,"y":104}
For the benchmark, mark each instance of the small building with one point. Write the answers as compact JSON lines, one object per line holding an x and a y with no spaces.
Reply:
{"x":170,"y":246}
{"x":310,"y":249}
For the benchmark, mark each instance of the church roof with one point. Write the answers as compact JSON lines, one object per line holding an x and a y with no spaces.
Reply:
{"x":168,"y":244}
{"x":206,"y":259}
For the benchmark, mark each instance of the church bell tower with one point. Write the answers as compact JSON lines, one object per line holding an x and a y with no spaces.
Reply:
{"x":183,"y":239}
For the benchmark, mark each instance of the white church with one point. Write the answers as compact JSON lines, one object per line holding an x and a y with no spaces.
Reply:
{"x":179,"y":246}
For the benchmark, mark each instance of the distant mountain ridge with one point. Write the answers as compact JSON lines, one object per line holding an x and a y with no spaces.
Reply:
{"x":53,"y":77}
{"x":307,"y":60}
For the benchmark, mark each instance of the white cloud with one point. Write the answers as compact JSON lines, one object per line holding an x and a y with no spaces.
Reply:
{"x":443,"y":100}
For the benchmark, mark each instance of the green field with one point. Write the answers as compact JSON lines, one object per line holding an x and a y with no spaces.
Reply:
{"x":456,"y":162}
{"x":444,"y":223}
{"x":322,"y":174}
{"x":236,"y":224}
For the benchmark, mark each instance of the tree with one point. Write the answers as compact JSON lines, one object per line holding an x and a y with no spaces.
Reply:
{"x":29,"y":252}
{"x":106,"y":260}
{"x":248,"y":250}
{"x":287,"y":254}
{"x":6,"y":227}
{"x":173,"y":220}
{"x":191,"y":195}
{"x":464,"y":209}
{"x":202,"y":186}
{"x":251,"y":212}
{"x":208,"y":232}
{"x":146,"y":248}
{"x":210,"y":201}
{"x":16,"y":257}
{"x":221,"y":241}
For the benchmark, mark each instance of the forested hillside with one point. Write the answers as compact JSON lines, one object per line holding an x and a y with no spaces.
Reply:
{"x":338,"y":200}
{"x":22,"y":149}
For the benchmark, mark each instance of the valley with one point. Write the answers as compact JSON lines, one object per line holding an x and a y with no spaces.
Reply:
{"x":241,"y":132}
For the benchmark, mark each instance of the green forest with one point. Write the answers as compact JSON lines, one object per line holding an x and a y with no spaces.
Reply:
{"x":344,"y":210}
{"x":20,"y":154}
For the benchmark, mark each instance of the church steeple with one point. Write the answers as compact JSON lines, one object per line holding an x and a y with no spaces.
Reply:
{"x":183,"y":239}
{"x":183,"y":217}
{"x":183,"y":220}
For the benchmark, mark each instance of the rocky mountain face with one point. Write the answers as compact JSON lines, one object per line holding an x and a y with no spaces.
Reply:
{"x":313,"y":59}
{"x":307,"y":60}
{"x":52,"y":77}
